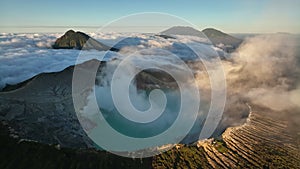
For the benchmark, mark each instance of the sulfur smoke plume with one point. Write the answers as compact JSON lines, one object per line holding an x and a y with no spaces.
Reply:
{"x":264,"y":71}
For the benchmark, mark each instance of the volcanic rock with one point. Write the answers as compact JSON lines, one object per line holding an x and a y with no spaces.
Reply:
{"x":79,"y":40}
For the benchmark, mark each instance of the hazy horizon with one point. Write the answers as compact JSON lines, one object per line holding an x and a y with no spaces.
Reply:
{"x":229,"y":16}
{"x":90,"y":29}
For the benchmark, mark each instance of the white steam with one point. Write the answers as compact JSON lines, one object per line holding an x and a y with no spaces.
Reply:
{"x":265,"y":70}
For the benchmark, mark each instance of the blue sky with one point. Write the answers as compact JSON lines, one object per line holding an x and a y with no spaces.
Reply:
{"x":233,"y":16}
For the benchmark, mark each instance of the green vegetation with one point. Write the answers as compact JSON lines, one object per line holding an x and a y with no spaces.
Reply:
{"x":220,"y":145}
{"x":184,"y":157}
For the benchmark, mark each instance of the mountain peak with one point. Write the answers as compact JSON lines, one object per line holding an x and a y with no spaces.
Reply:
{"x":222,"y":40}
{"x":70,"y":31}
{"x":217,"y":37}
{"x":182,"y":30}
{"x":79,"y":40}
{"x":212,"y":32}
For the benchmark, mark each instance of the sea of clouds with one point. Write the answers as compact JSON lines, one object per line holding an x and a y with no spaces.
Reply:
{"x":264,"y":70}
{"x":23,"y":56}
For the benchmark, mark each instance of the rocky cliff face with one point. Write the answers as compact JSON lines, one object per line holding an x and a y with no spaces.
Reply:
{"x":42,"y":109}
{"x":262,"y":142}
{"x":46,"y":116}
{"x":79,"y":40}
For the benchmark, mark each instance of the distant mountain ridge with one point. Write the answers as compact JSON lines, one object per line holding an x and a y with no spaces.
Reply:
{"x":218,"y":38}
{"x":182,"y":30}
{"x":80,"y":40}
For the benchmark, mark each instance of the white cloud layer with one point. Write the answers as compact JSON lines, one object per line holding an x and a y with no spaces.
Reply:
{"x":263,"y":71}
{"x":23,"y":56}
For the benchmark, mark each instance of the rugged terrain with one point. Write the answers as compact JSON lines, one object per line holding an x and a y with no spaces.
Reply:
{"x":260,"y":143}
{"x":79,"y":40}
{"x":40,"y":130}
